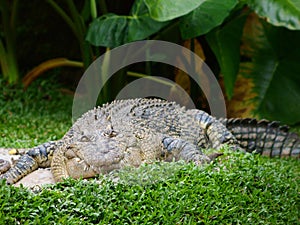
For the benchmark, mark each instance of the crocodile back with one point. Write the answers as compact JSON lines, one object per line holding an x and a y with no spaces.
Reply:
{"x":139,"y":117}
{"x":158,"y":116}
{"x":265,"y":137}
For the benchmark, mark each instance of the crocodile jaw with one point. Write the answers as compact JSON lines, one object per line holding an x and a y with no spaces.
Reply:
{"x":78,"y":168}
{"x":86,"y":159}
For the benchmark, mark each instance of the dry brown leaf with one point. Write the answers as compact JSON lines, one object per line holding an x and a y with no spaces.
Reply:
{"x":242,"y":103}
{"x":181,"y":78}
{"x":44,"y":66}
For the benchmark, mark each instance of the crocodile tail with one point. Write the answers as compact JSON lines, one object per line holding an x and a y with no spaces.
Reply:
{"x":39,"y":156}
{"x":264,"y":137}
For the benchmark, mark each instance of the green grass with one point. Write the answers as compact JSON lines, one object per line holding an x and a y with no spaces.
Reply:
{"x":27,"y":118}
{"x":245,"y":189}
{"x":236,"y":189}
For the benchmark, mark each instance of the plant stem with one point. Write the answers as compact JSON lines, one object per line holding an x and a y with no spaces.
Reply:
{"x":77,"y":25}
{"x":103,"y":6}
{"x":93,"y":7}
{"x":64,"y":15}
{"x":3,"y":60}
{"x":8,"y":51}
{"x":85,"y":47}
{"x":140,"y":75}
{"x":105,"y":72}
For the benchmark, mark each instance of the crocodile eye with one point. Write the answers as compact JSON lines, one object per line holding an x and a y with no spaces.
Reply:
{"x":109,"y":134}
{"x":85,"y":138}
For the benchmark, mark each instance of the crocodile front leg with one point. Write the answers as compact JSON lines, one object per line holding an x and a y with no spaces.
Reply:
{"x":179,"y":149}
{"x":34,"y":158}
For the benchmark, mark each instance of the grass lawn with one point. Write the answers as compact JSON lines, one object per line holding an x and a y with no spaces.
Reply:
{"x":235,"y":189}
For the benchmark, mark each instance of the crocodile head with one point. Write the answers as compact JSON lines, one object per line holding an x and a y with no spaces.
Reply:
{"x":87,"y":157}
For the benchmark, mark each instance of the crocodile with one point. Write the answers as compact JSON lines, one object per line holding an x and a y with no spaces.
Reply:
{"x":135,"y":131}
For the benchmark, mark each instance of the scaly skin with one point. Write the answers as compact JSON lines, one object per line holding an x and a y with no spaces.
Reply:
{"x":265,"y":137}
{"x":4,"y":166}
{"x":136,"y":131}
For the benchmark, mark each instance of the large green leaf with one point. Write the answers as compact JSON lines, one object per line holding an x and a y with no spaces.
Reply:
{"x":140,"y":25}
{"x":278,"y":12}
{"x":111,"y":30}
{"x":205,"y":17}
{"x":275,"y":72}
{"x":225,"y":43}
{"x":164,"y":10}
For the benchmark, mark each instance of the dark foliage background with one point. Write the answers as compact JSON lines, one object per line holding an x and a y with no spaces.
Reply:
{"x":250,"y":46}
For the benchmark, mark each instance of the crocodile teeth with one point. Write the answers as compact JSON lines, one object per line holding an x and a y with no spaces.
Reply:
{"x":79,"y":160}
